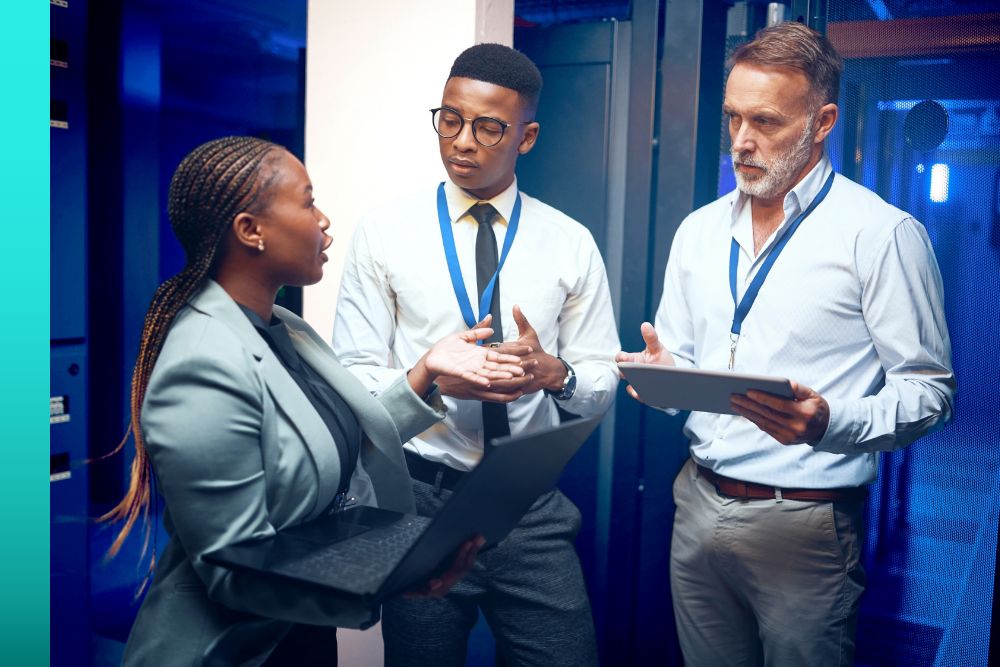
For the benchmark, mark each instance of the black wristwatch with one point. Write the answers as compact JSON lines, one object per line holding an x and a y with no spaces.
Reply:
{"x":568,"y":384}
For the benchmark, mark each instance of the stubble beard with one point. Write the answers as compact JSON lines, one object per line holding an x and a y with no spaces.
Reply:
{"x":779,"y":172}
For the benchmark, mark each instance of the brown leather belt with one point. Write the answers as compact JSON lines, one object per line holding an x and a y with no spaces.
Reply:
{"x":750,"y":491}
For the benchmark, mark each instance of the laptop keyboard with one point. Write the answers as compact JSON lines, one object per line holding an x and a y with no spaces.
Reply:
{"x":360,"y":564}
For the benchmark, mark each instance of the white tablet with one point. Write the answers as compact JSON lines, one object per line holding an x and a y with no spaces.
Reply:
{"x":696,"y":389}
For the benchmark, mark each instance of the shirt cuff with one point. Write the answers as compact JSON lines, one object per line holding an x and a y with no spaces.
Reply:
{"x":432,"y":397}
{"x":839,"y":436}
{"x":595,"y":387}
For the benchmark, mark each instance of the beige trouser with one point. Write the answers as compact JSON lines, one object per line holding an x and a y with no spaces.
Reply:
{"x":763,"y":582}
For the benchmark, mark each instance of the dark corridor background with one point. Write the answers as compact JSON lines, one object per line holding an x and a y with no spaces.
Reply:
{"x":634,"y":142}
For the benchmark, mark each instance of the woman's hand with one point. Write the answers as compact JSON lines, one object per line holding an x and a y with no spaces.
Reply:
{"x":458,"y":356}
{"x":464,"y":559}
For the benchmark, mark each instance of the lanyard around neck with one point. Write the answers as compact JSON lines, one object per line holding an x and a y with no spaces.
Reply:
{"x":742,"y":307}
{"x":451,"y":254}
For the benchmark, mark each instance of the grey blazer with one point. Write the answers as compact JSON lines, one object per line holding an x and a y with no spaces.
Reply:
{"x":239,"y":452}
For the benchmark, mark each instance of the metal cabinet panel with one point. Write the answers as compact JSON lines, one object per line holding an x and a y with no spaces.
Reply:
{"x":68,"y":201}
{"x":69,"y":507}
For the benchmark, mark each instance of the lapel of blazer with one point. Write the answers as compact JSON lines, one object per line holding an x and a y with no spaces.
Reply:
{"x":288,"y":397}
{"x":382,"y":452}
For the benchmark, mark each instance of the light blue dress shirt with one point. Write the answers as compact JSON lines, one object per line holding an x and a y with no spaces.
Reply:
{"x":852,"y":308}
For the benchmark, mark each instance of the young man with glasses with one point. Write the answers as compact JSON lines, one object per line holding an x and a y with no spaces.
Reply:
{"x":470,"y":249}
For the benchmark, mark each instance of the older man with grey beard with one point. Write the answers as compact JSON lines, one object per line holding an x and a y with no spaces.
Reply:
{"x":803,"y":274}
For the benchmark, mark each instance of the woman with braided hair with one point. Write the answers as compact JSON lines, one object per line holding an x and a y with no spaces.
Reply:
{"x":247,"y":420}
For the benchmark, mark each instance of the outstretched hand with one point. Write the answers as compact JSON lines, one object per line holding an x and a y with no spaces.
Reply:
{"x":790,"y":421}
{"x":654,"y":353}
{"x":458,"y":356}
{"x":541,"y":370}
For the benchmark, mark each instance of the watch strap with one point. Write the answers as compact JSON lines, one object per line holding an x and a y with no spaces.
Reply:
{"x":564,"y":392}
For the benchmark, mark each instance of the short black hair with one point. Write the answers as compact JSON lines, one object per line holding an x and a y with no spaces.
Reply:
{"x":501,"y":66}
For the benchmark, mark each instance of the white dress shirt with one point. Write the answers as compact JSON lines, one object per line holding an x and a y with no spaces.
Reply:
{"x":396,"y":300}
{"x":852,"y":308}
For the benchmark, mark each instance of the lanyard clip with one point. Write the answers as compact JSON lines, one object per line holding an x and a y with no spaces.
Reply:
{"x":342,"y":502}
{"x":733,"y":339}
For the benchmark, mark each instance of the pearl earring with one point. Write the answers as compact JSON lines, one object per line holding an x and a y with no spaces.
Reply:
{"x":260,"y":245}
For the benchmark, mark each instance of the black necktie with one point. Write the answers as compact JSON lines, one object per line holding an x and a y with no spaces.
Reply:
{"x":495,"y":422}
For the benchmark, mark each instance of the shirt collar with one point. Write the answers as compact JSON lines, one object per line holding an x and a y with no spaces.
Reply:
{"x":802,"y":195}
{"x":256,"y":319}
{"x":798,"y":198}
{"x":459,"y":202}
{"x":276,"y":335}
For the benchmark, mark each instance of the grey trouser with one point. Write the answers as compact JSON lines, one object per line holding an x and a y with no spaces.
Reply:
{"x":762,"y":582}
{"x":529,"y":587}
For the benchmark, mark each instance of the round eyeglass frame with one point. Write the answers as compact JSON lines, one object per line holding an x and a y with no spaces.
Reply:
{"x":475,"y":124}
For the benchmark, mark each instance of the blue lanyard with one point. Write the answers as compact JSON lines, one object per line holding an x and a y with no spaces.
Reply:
{"x":457,"y":283}
{"x":743,"y":306}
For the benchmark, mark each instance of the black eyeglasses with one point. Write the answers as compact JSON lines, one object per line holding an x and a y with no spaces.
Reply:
{"x":487,"y":131}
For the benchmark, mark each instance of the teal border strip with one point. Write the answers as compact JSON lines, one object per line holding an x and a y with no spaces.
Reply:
{"x":24,"y":358}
